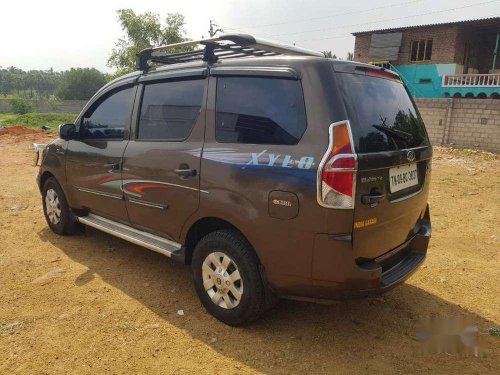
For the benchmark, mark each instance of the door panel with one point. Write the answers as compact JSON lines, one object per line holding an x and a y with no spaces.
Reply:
{"x":157,"y":198}
{"x":161,"y":167}
{"x":94,"y":157}
{"x":94,"y":176}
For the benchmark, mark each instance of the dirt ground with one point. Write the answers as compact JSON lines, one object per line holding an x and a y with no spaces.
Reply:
{"x":95,"y":304}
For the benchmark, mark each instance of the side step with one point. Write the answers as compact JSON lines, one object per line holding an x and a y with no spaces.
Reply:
{"x":150,"y":241}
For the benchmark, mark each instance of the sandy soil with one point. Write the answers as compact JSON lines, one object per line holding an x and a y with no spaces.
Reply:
{"x":96,"y":304}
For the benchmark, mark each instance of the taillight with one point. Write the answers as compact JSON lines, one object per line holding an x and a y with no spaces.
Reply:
{"x":337,"y":171}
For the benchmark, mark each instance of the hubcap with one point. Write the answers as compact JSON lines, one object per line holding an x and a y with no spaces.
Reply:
{"x":52,"y":206}
{"x":222,"y":280}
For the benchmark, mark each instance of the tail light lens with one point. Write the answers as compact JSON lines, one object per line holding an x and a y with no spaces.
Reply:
{"x":337,"y":171}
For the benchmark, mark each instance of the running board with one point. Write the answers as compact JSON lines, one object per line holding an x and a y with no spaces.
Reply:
{"x":150,"y":241}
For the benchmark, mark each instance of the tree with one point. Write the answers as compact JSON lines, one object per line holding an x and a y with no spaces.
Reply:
{"x":20,"y":105}
{"x":350,"y":56}
{"x":329,"y":55}
{"x":144,"y":31}
{"x":32,"y":84}
{"x":80,"y":83}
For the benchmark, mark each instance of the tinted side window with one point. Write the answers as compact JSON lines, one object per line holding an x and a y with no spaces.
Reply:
{"x":108,"y":119}
{"x":259,"y":110}
{"x":169,"y":110}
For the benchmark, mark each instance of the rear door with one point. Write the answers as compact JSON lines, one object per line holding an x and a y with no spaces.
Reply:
{"x":394,"y":157}
{"x":161,"y":167}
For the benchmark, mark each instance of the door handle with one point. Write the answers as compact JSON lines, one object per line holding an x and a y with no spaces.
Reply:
{"x":112,"y":166}
{"x":372,"y":199}
{"x":184,"y":171}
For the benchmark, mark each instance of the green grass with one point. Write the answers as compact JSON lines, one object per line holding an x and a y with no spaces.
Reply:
{"x":36,"y":120}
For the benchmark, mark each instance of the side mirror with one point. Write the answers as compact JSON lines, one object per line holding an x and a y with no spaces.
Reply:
{"x":67,"y":131}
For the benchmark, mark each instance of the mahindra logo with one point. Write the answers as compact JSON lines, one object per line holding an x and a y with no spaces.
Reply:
{"x":410,"y":155}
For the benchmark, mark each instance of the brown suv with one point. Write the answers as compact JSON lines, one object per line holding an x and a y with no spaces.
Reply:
{"x":273,"y":171}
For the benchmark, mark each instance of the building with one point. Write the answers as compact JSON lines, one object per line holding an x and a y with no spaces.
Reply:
{"x":455,"y":59}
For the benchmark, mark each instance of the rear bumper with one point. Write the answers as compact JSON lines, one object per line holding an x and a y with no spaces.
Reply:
{"x":336,"y":275}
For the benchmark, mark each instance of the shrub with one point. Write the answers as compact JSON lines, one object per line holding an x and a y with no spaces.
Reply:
{"x":53,"y":103}
{"x":36,"y":120}
{"x":20,"y":105}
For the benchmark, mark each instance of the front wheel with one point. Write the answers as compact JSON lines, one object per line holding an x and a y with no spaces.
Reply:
{"x":55,"y":208}
{"x":227,"y":278}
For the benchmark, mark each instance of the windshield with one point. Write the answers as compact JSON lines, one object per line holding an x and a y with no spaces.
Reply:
{"x":382,"y":115}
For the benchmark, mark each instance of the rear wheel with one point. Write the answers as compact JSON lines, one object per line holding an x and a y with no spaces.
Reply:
{"x":55,"y":208}
{"x":227,"y":278}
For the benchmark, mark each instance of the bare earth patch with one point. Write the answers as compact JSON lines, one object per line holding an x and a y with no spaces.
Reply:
{"x":95,"y":304}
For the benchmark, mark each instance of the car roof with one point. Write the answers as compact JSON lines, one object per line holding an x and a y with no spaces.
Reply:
{"x":298,"y":63}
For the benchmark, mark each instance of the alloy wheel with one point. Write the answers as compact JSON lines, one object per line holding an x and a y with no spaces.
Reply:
{"x":222,"y":280}
{"x":53,"y":206}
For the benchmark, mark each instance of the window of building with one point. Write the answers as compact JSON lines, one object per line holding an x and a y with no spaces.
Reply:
{"x":108,"y":119}
{"x":421,"y":50}
{"x":169,"y":110}
{"x":259,"y":111}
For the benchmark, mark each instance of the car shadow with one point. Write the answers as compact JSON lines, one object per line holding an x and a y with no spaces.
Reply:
{"x":363,"y":335}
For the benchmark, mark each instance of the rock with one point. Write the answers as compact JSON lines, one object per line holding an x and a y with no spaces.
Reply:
{"x":18,"y":207}
{"x":213,"y":340}
{"x":180,"y":312}
{"x":49,"y":277}
{"x":494,"y":331}
{"x":10,"y":328}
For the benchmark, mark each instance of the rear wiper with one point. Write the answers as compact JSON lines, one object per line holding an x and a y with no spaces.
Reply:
{"x":404,"y":136}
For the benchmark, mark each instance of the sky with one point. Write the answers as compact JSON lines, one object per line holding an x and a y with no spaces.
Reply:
{"x":58,"y":34}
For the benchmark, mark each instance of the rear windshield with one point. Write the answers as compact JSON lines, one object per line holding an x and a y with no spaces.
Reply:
{"x":382,"y":115}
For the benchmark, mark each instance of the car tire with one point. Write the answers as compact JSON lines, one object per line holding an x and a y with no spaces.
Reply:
{"x":218,"y":288}
{"x":56,"y":209}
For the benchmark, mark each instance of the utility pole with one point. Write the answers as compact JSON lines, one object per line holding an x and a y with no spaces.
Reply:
{"x":495,"y":52}
{"x":212,"y":31}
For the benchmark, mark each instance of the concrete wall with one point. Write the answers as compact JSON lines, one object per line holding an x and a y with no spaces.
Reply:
{"x":44,"y":106}
{"x":466,"y":123}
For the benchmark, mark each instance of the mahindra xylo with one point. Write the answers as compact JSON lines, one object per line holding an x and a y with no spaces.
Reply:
{"x":273,"y":171}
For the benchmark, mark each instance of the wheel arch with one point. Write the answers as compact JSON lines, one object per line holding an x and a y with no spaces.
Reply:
{"x":44,"y":177}
{"x":203,"y":226}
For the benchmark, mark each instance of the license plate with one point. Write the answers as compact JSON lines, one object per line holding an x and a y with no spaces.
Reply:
{"x":403,"y":176}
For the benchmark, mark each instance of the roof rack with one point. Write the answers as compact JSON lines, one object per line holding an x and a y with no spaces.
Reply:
{"x":223,"y":47}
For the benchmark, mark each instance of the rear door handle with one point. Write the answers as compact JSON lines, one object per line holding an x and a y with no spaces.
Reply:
{"x":185,"y":172}
{"x":372,"y":199}
{"x":112,"y":166}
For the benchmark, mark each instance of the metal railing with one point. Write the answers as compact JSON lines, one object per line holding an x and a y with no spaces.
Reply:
{"x":471,"y":80}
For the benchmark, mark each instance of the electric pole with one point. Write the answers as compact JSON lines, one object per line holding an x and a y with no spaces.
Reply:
{"x":213,"y":31}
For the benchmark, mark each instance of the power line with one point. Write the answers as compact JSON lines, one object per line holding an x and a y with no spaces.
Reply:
{"x":384,"y":20}
{"x":325,"y":17}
